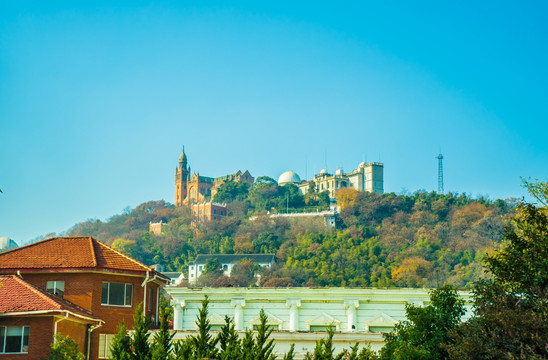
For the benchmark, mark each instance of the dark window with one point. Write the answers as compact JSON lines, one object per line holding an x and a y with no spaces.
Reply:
{"x":117,"y":294}
{"x":14,"y":339}
{"x":149,"y":305}
{"x":215,"y":211}
{"x":56,"y":287}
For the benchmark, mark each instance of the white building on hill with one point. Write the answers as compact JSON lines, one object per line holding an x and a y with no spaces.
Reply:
{"x":301,"y":316}
{"x":366,"y":177}
{"x":227,"y":262}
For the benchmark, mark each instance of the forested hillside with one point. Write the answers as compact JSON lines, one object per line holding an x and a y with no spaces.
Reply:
{"x":417,"y":240}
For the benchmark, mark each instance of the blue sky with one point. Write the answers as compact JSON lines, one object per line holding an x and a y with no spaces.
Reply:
{"x":98,"y":98}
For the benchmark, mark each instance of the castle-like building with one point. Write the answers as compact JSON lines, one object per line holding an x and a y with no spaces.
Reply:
{"x":366,"y":177}
{"x":194,"y":188}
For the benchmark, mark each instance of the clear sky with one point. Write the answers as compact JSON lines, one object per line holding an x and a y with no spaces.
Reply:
{"x":98,"y":98}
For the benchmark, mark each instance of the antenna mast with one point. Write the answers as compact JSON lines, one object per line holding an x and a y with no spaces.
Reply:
{"x":440,"y":173}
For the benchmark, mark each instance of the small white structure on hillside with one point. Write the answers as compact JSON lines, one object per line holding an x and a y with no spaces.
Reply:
{"x":227,"y":262}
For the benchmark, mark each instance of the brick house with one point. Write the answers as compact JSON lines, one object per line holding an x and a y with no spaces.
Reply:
{"x":103,"y":283}
{"x":25,"y":308}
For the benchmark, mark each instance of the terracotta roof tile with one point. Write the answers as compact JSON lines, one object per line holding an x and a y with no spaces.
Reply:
{"x":17,"y":295}
{"x":81,"y":252}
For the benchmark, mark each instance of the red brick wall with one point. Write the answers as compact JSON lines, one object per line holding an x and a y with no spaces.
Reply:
{"x":41,"y":335}
{"x":208,"y":212}
{"x":76,"y":331}
{"x":84,"y":290}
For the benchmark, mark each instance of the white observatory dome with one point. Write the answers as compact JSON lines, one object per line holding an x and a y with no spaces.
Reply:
{"x":323,"y":171}
{"x":338,"y":172}
{"x":289,"y":177}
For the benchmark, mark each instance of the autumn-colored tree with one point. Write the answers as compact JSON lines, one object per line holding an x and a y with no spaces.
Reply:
{"x":346,"y":197}
{"x":412,"y":272}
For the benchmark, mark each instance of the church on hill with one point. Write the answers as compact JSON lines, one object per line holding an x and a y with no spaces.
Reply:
{"x":192,"y":188}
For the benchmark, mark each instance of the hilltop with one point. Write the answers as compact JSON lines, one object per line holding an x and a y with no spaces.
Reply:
{"x":416,"y":240}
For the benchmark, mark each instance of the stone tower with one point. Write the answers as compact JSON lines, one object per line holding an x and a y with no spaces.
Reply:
{"x":182,"y":173}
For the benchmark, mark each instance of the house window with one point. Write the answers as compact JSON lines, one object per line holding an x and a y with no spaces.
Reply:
{"x":56,"y":287}
{"x":215,"y":211}
{"x":14,"y":339}
{"x":105,"y":341}
{"x":222,"y":212}
{"x":200,"y":268}
{"x":117,"y":294}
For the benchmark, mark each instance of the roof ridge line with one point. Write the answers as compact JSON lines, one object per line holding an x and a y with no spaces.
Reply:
{"x":124,"y":255}
{"x":39,"y":242}
{"x":93,"y":254}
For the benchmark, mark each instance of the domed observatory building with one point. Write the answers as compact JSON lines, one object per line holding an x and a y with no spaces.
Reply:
{"x":289,"y":177}
{"x":367,"y":177}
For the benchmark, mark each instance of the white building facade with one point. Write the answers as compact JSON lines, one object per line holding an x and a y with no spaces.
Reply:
{"x":301,"y":316}
{"x":227,"y":262}
{"x":366,"y":177}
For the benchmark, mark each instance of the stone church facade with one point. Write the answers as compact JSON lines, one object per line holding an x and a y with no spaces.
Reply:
{"x":191,"y":188}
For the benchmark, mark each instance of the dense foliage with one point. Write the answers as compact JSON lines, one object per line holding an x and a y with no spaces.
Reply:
{"x":421,"y":239}
{"x":511,"y":307}
{"x":426,"y":329}
{"x":64,"y":348}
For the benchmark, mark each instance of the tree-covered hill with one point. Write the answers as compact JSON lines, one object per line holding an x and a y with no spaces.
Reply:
{"x":422,"y":239}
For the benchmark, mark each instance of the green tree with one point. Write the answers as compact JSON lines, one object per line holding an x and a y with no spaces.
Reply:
{"x":511,"y":307}
{"x":244,"y":273}
{"x":229,"y":342}
{"x":65,"y":348}
{"x":212,"y":271}
{"x":263,"y":349}
{"x":120,"y":349}
{"x":365,"y":354}
{"x":325,"y":350}
{"x":426,"y":329}
{"x":161,"y":344}
{"x":290,"y":355}
{"x":203,"y":343}
{"x":140,"y":344}
{"x":232,"y":191}
{"x":182,"y":350}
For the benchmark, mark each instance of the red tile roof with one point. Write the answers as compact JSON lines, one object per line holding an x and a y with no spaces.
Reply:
{"x":17,"y":296}
{"x":68,"y":253}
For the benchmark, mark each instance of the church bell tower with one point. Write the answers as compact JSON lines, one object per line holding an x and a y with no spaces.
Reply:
{"x":181,"y":179}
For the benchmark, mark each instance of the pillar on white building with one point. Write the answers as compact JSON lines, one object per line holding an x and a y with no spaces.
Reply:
{"x":178,"y":309}
{"x":351,"y":307}
{"x":238,"y":306}
{"x":293,"y":306}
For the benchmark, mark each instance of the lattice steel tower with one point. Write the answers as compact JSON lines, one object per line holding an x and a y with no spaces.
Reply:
{"x":440,"y":174}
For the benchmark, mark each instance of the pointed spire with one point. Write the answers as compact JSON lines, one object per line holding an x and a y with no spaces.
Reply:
{"x":183,"y":159}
